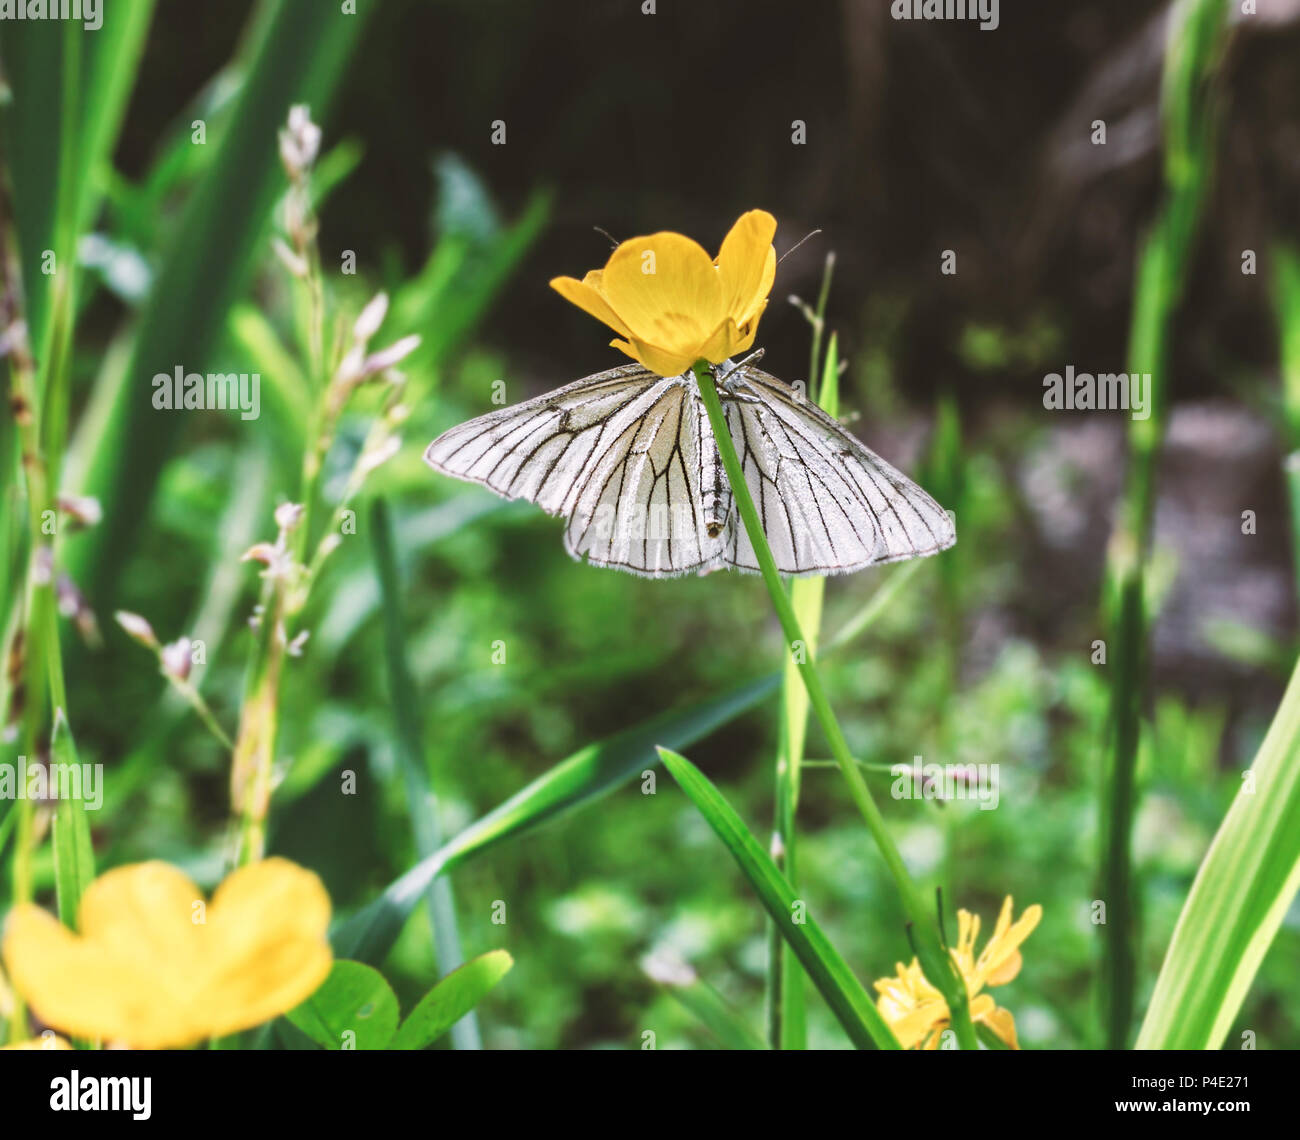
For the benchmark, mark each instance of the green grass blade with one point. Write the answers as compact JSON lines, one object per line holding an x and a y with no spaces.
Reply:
{"x":1238,"y":900}
{"x":849,"y":1001}
{"x":74,"y":860}
{"x":420,"y":800}
{"x":1286,"y":301}
{"x":573,"y":783}
{"x":709,"y":1007}
{"x":451,"y":1002}
{"x":787,"y":1016}
{"x":1193,"y":52}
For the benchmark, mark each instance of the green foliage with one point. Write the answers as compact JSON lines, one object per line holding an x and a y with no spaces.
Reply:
{"x":542,"y":752}
{"x":1238,"y":902}
{"x":850,"y":1003}
{"x":451,"y":999}
{"x":355,"y":1008}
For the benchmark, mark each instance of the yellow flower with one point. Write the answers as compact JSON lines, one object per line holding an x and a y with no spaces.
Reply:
{"x":673,"y":304}
{"x":156,"y":967}
{"x":916,"y":1011}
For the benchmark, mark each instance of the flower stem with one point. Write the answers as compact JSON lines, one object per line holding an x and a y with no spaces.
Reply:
{"x":934,"y":959}
{"x":1196,"y":39}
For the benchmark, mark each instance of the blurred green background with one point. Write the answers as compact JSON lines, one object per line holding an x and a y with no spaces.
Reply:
{"x":921,"y":138}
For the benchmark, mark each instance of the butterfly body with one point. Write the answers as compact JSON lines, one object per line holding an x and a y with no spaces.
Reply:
{"x":629,"y":458}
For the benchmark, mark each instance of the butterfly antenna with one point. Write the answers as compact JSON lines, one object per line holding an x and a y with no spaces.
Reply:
{"x":796,"y":245}
{"x":757,"y":354}
{"x":612,"y":240}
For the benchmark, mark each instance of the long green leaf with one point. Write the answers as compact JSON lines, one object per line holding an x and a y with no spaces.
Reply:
{"x":1237,"y":902}
{"x":69,"y":91}
{"x":848,"y":1000}
{"x":585,"y":776}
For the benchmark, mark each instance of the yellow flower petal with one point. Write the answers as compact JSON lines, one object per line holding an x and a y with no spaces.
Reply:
{"x":1000,"y":961}
{"x":154,"y":970}
{"x":662,"y":361}
{"x":666,"y":291}
{"x":747,"y":264}
{"x":268,"y":923}
{"x":587,"y":296}
{"x":1003,"y":1024}
{"x":912,"y":1027}
{"x":142,"y":913}
{"x":722,"y":344}
{"x":1006,"y":969}
{"x":88,"y":991}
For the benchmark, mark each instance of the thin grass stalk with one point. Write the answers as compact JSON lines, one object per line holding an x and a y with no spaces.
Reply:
{"x":30,"y":637}
{"x":252,"y":763}
{"x":45,"y":700}
{"x":934,"y":958}
{"x":420,"y":800}
{"x":1192,"y":53}
{"x":1286,"y":298}
{"x":786,"y":1009}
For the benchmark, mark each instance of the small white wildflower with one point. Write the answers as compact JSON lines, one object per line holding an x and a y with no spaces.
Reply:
{"x":84,"y":510}
{"x":372,"y":316}
{"x":292,"y":262}
{"x":288,"y":515}
{"x":137,"y":628}
{"x":394,"y":354}
{"x":380,"y":454}
{"x":668,"y":968}
{"x":177,"y":658}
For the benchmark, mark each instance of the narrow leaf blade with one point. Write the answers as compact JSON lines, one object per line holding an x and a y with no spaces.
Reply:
{"x":573,"y":783}
{"x":848,"y":1000}
{"x":74,"y":860}
{"x":1238,"y":900}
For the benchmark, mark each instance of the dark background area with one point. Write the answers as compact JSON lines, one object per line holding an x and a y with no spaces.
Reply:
{"x":921,"y":137}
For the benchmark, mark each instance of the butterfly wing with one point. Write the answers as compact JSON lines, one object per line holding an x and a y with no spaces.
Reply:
{"x":538,"y":449}
{"x":829,"y":505}
{"x":641,"y":507}
{"x":615,"y":453}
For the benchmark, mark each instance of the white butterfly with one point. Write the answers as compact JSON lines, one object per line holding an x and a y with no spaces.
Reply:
{"x":629,"y":458}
